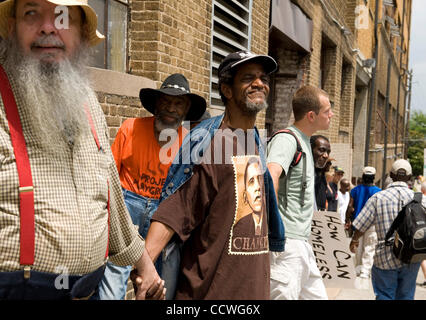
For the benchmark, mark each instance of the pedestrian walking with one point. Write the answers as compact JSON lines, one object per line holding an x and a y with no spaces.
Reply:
{"x":391,"y":279}
{"x":294,"y":272}
{"x":367,"y":242}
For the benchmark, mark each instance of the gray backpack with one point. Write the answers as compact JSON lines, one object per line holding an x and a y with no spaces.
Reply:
{"x":409,"y":227}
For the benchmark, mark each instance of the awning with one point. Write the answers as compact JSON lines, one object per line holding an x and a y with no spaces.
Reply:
{"x":290,"y":25}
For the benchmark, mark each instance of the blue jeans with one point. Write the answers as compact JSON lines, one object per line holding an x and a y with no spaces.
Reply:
{"x":45,"y":286}
{"x":395,"y":284}
{"x":114,"y":283}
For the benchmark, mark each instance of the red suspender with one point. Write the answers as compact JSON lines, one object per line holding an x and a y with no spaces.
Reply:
{"x":108,"y":207}
{"x":92,"y":126}
{"x":26,"y":189}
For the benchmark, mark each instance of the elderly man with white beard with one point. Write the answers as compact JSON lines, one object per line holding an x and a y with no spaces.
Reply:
{"x":62,"y":213}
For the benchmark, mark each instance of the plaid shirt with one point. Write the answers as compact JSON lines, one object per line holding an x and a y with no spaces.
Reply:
{"x":71,"y":194}
{"x":381,"y":209}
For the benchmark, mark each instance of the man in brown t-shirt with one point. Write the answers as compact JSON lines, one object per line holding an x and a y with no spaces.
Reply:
{"x":220,"y":212}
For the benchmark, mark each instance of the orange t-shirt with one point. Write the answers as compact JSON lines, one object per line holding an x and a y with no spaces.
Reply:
{"x":137,"y":155}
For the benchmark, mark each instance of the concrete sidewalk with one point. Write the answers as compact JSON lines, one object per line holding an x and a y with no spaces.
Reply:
{"x":364,"y":290}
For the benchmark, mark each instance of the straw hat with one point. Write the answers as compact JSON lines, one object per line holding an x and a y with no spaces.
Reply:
{"x":95,"y":36}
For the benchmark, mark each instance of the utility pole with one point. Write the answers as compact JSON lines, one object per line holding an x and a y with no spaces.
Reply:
{"x":372,"y":86}
{"x":385,"y":153}
{"x":407,"y":121}
{"x":399,"y":78}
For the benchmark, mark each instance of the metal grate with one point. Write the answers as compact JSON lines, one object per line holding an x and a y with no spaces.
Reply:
{"x":231,"y":31}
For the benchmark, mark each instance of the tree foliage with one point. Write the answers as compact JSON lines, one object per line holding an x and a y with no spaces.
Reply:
{"x":416,"y":143}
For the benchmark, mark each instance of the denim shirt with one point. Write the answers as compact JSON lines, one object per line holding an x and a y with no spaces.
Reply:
{"x":191,"y":153}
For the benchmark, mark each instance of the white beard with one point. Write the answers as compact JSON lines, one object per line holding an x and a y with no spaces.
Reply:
{"x":53,"y":95}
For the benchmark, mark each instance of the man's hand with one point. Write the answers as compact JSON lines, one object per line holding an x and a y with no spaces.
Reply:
{"x":348,"y":224}
{"x":355,"y":241}
{"x":353,"y":246}
{"x":155,"y":292}
{"x":349,"y":212}
{"x":146,"y":281}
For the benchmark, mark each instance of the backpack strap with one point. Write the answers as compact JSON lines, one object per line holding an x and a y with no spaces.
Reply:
{"x":299,"y":151}
{"x":304,"y":184}
{"x":418,"y":197}
{"x":399,"y":218}
{"x":298,"y":155}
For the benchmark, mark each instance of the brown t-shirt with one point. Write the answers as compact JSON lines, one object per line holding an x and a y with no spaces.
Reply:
{"x":220,"y":214}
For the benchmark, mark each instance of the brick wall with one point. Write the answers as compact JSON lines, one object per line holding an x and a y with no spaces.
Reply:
{"x":174,"y":36}
{"x":170,"y":36}
{"x":260,"y":26}
{"x":286,"y":81}
{"x":332,"y":61}
{"x":259,"y":40}
{"x":118,"y":108}
{"x":342,"y":152}
{"x":346,"y":113}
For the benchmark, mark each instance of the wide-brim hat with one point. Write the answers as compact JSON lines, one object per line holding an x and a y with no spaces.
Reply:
{"x":94,"y":36}
{"x":175,"y":85}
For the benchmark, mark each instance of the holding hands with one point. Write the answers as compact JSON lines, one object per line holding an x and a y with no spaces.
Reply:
{"x":146,"y":281}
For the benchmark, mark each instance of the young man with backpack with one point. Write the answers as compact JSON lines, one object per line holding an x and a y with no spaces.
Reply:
{"x":294,"y":272}
{"x":391,"y":278}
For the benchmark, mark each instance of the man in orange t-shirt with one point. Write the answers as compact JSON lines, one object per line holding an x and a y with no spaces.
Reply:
{"x":144,"y":149}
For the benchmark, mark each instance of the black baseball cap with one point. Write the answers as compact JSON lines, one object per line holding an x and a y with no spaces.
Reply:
{"x":236,"y":58}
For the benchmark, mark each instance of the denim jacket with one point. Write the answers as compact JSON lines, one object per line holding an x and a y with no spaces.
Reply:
{"x":191,"y":153}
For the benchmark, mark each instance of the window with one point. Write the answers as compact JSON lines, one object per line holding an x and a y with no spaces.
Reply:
{"x":380,"y":119}
{"x":327,"y":62}
{"x":112,"y":23}
{"x":231,"y":32}
{"x":345,"y":98}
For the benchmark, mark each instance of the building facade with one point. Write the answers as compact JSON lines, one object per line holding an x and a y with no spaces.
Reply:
{"x":341,"y":46}
{"x":388,"y":99}
{"x":327,"y":61}
{"x":360,"y":59}
{"x":146,"y":41}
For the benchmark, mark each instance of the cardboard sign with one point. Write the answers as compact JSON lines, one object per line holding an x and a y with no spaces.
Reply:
{"x":331,"y":249}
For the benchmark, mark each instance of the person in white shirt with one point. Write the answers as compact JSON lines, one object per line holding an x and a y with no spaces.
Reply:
{"x":343,"y":197}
